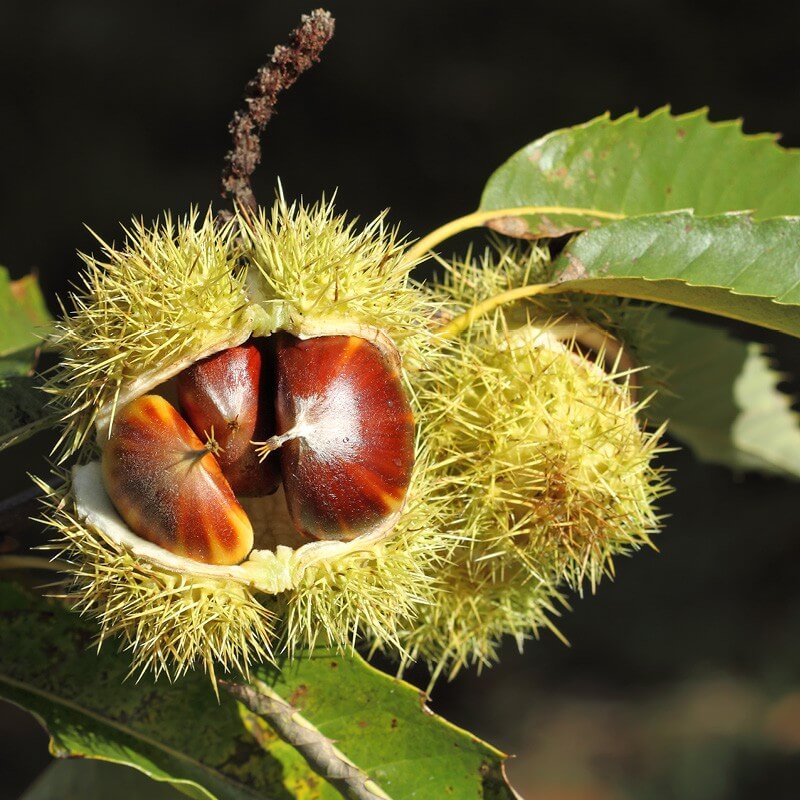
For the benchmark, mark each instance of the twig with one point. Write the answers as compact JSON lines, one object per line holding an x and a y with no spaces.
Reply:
{"x":31,"y":562}
{"x":320,"y":753}
{"x":285,"y":66}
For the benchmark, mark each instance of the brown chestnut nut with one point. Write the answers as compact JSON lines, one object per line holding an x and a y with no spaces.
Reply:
{"x":168,"y":486}
{"x":346,"y":433}
{"x":230,"y":395}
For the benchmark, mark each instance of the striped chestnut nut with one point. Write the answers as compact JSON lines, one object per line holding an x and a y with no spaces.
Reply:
{"x":169,"y":488}
{"x":345,"y":432}
{"x":229,"y":397}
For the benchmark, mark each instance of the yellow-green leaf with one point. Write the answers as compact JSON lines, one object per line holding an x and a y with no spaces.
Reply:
{"x":634,"y":165}
{"x":720,"y":396}
{"x":25,"y":319}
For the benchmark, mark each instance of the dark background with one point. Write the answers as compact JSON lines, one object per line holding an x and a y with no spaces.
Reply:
{"x":683,"y":679}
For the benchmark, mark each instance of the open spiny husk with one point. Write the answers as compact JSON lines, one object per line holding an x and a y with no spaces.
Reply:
{"x":532,"y":470}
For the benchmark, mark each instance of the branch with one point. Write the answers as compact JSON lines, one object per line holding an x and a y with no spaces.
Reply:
{"x":285,"y":66}
{"x":32,"y":562}
{"x":319,"y":751}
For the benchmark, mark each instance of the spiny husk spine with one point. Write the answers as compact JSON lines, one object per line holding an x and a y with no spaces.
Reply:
{"x":545,"y":492}
{"x":165,"y":616}
{"x":169,"y":622}
{"x":169,"y":290}
{"x":323,"y":268}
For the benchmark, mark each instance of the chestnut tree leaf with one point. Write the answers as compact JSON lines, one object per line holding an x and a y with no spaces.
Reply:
{"x":720,"y":396}
{"x":384,"y":727}
{"x":80,"y":778}
{"x":729,"y":265}
{"x":24,"y":321}
{"x":637,"y":165}
{"x":654,"y":198}
{"x":181,"y":735}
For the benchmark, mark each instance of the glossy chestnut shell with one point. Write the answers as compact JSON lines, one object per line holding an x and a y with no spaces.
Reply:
{"x":229,"y":395}
{"x":333,"y":406}
{"x":347,"y":466}
{"x":169,"y":488}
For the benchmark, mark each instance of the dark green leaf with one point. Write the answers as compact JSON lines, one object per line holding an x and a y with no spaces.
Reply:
{"x":181,"y":735}
{"x":79,"y":779}
{"x":728,"y":265}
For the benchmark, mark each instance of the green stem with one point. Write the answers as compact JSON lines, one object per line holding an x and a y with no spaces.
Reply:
{"x":463,"y":321}
{"x":477,"y":218}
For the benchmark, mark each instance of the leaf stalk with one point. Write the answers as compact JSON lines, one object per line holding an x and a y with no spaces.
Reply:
{"x":478,"y":218}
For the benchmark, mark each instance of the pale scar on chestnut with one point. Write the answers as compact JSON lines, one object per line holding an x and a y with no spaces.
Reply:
{"x":346,"y":435}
